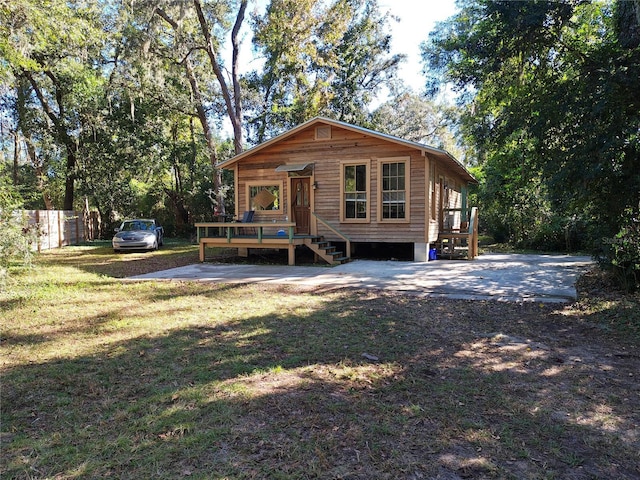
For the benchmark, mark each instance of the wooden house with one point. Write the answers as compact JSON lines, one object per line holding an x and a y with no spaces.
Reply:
{"x":336,"y":188}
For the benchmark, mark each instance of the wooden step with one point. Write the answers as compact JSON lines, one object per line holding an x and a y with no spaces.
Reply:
{"x":326,"y":251}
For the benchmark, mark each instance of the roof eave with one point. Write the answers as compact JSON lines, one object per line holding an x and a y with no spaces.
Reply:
{"x":419,"y":146}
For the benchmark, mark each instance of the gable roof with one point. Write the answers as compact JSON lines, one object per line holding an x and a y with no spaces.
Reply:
{"x":442,"y":155}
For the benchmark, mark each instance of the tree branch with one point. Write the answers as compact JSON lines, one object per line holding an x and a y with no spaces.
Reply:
{"x":234,"y":65}
{"x":236,"y":121}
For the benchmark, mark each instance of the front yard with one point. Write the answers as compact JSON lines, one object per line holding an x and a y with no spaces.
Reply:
{"x":103,"y":378}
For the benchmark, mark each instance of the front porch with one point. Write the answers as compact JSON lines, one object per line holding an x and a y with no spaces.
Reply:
{"x":267,"y":235}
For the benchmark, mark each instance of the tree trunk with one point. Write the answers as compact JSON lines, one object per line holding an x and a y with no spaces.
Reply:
{"x":16,"y":156}
{"x":69,"y":183}
{"x":181,"y":213}
{"x":219,"y":207}
{"x":39,"y":169}
{"x":61,"y":133}
{"x":232,"y":100}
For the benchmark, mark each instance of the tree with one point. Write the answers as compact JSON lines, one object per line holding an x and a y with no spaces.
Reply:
{"x":54,"y":55}
{"x":187,"y":33}
{"x":560,"y":80}
{"x":289,"y":89}
{"x":232,"y":99}
{"x":16,"y":236}
{"x":122,"y":103}
{"x":319,"y":60}
{"x":363,"y":63}
{"x":418,"y":119}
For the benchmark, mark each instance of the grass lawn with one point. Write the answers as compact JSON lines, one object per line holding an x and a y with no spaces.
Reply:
{"x":104,"y":378}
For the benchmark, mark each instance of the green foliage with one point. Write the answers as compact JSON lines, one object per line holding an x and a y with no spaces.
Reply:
{"x":551,"y":93}
{"x":105,"y":112}
{"x":54,"y":57}
{"x":16,"y":236}
{"x":121,"y":105}
{"x":320,"y":59}
{"x":416,"y":118}
{"x":363,"y":63}
{"x":621,"y":254}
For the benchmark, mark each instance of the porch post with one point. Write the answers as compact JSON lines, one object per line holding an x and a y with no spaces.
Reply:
{"x":463,"y":194}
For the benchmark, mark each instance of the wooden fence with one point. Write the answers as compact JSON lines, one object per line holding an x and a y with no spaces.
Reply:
{"x":58,"y":228}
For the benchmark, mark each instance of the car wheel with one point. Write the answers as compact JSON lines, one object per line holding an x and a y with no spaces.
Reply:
{"x":155,"y":245}
{"x":115,"y":250}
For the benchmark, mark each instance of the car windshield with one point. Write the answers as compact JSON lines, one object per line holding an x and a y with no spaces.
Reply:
{"x":137,"y":225}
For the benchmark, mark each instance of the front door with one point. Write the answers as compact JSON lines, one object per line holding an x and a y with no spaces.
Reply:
{"x":301,"y":204}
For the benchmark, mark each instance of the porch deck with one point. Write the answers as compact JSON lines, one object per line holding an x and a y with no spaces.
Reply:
{"x":269,"y":235}
{"x":279,"y":235}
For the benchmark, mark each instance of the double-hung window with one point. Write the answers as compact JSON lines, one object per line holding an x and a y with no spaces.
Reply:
{"x":393,"y":184}
{"x":354,"y":186}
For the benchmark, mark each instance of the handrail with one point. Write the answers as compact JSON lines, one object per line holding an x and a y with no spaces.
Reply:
{"x":337,"y":232}
{"x":473,"y":231}
{"x":465,"y":212}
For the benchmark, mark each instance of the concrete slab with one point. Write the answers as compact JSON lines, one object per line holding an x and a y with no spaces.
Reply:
{"x":506,"y":277}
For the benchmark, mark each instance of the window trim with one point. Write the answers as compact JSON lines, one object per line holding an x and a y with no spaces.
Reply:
{"x":350,"y":163}
{"x":265,"y":183}
{"x":433,"y":214}
{"x":407,"y":189}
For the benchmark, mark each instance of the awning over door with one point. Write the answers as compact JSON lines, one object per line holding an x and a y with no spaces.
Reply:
{"x":293,"y":168}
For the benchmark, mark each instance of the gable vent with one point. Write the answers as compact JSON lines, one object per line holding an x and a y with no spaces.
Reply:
{"x":323,"y":132}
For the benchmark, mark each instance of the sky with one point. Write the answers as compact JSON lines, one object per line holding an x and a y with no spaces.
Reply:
{"x":417,"y":19}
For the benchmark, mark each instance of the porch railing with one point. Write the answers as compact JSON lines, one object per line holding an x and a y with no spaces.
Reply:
{"x":230,"y":230}
{"x":340,"y":234}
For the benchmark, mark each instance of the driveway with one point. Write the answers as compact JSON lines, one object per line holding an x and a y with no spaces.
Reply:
{"x":506,"y":277}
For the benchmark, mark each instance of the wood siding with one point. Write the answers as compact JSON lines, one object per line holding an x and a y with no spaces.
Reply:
{"x":327,"y":154}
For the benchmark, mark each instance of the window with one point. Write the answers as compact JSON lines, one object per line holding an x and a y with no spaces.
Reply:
{"x":355,"y":192}
{"x":394,"y":189}
{"x":265,"y":197}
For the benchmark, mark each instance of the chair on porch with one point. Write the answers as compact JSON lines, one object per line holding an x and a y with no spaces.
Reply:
{"x":247,"y":217}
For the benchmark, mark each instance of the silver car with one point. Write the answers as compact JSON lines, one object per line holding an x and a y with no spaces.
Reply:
{"x":138,"y":234}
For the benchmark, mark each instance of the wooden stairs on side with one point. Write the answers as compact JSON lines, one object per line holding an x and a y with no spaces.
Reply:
{"x":325,"y":250}
{"x":460,"y":243}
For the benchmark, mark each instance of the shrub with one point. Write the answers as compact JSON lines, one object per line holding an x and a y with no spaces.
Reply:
{"x":16,"y":235}
{"x":621,"y":254}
